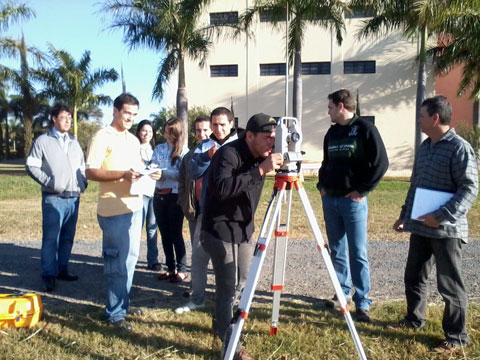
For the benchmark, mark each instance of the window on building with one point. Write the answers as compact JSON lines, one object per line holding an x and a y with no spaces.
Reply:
{"x":272,"y":69}
{"x":266,"y":16}
{"x":368,"y":118}
{"x":359,"y":12}
{"x":224,"y":18}
{"x":316,"y":68}
{"x":359,"y":67}
{"x":223,"y":70}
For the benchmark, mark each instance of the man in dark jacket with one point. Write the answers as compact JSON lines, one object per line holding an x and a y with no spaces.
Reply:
{"x":354,"y":162}
{"x":233,"y":187}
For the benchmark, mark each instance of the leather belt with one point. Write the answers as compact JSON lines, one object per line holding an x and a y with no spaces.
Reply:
{"x":163,"y":191}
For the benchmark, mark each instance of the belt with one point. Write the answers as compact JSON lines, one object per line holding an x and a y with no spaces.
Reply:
{"x":163,"y":191}
{"x":65,"y":194}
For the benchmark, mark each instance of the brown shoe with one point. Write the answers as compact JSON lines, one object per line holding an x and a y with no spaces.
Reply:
{"x":446,"y":347}
{"x":179,"y":277}
{"x":242,"y":355}
{"x":167,"y":275}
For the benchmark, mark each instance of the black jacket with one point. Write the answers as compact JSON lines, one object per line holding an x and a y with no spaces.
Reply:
{"x":233,"y":189}
{"x":354,"y":158}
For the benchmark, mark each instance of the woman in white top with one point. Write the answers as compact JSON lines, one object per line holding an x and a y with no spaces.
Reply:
{"x":145,"y":134}
{"x":168,"y":156}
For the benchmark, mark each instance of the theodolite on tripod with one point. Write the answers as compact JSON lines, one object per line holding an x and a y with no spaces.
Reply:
{"x":288,"y":139}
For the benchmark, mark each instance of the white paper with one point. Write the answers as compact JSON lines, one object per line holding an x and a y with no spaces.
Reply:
{"x":427,"y":201}
{"x":145,"y":185}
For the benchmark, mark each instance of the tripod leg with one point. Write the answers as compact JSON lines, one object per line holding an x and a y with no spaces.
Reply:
{"x":279,"y":263}
{"x":252,"y":279}
{"x":322,"y":247}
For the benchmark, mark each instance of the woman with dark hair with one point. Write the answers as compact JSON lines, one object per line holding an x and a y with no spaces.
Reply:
{"x":168,"y":213}
{"x":145,"y":132}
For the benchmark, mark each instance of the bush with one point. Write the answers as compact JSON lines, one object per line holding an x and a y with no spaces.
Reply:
{"x":86,"y":130}
{"x":160,"y":118}
{"x":471,"y":134}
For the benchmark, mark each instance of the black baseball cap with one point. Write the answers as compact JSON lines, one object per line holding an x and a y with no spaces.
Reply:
{"x":261,"y":123}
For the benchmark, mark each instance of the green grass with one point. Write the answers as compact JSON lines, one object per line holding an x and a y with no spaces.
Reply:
{"x":307,"y":331}
{"x":20,"y":199}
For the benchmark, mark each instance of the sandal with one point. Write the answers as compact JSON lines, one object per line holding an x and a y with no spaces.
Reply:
{"x":179,"y":277}
{"x":167,"y":275}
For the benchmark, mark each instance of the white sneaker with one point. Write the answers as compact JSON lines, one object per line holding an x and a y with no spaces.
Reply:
{"x":188,"y":307}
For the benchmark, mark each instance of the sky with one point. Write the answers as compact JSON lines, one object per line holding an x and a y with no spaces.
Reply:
{"x":78,"y":25}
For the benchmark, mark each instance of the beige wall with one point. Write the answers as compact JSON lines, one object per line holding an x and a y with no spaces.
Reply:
{"x":389,"y":94}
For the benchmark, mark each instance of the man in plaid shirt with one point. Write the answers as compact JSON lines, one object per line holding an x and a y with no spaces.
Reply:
{"x":444,"y":162}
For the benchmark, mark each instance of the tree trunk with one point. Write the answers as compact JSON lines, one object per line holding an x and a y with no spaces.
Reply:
{"x":297,"y":86}
{"x":182,"y":101}
{"x":27,"y":126}
{"x":476,"y":114}
{"x":7,"y":139}
{"x":421,"y":87}
{"x":1,"y":139}
{"x":75,"y":122}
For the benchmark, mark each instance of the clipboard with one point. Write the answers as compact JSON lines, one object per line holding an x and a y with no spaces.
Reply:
{"x":426,"y":201}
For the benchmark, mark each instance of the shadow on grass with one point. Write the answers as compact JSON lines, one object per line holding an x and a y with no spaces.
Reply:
{"x":146,"y":333}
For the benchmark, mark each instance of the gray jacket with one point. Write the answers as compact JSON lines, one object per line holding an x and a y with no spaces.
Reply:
{"x":58,"y":172}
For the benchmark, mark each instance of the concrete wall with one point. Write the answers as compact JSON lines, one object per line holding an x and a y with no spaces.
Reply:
{"x":389,"y":94}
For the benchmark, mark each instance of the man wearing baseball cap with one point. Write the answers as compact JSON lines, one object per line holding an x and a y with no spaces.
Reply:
{"x":234,"y":184}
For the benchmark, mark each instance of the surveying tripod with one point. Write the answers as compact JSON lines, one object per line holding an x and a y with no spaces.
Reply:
{"x":285,"y":181}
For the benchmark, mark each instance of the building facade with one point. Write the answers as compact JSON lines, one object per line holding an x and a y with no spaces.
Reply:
{"x":249,"y":72}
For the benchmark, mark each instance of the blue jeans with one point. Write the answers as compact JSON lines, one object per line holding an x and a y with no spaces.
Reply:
{"x":346,"y":225}
{"x":121,"y":245}
{"x":151,"y":229}
{"x":59,"y":224}
{"x":169,"y":217}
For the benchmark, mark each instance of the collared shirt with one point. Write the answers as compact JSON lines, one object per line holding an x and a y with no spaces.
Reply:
{"x":64,"y":139}
{"x":447,"y":165}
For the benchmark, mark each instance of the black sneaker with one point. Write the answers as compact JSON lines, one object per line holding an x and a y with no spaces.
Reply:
{"x":66,"y":276}
{"x":122,"y":324}
{"x":48,"y":283}
{"x":362,"y":316}
{"x":155,"y":267}
{"x":403,"y":324}
{"x":135,"y":311}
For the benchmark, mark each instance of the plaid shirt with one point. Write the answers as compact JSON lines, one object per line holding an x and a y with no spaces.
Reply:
{"x":447,"y":165}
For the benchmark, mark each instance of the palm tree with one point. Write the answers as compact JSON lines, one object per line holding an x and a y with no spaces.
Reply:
{"x":416,"y":19}
{"x":169,"y":27}
{"x":23,"y":81}
{"x":74,"y":83}
{"x":325,"y":13}
{"x":12,"y":13}
{"x":459,"y":44}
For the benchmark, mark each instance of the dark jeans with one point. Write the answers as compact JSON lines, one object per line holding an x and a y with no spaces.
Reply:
{"x":170,"y":220}
{"x":446,"y":253}
{"x":231,"y":263}
{"x":151,"y":229}
{"x":58,"y":225}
